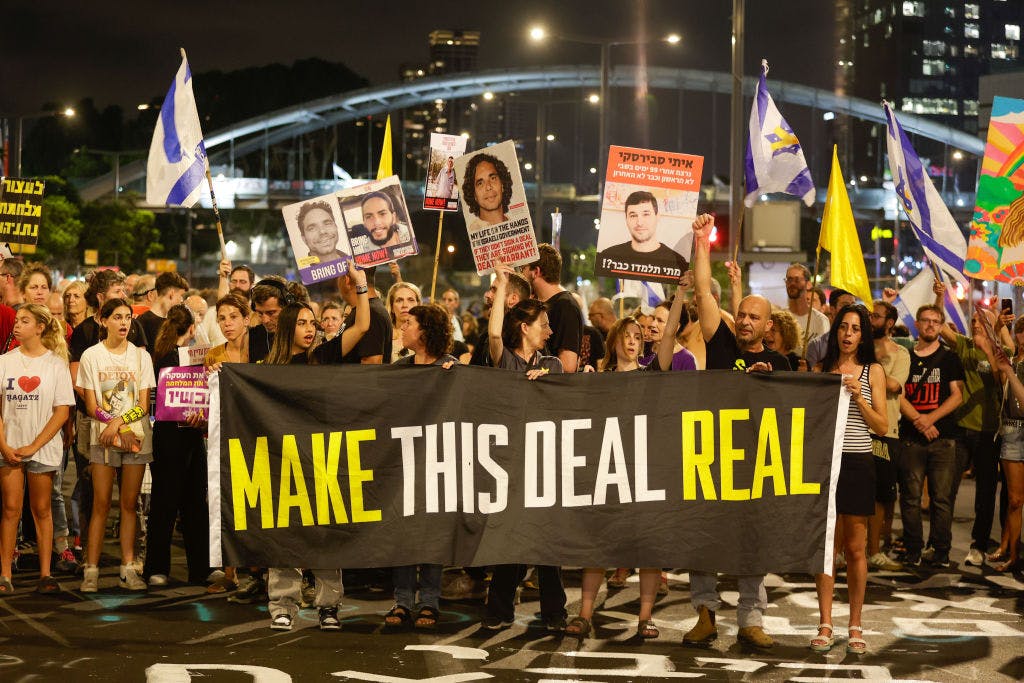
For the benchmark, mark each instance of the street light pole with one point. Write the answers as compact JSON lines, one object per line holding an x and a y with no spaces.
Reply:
{"x":602,"y":149}
{"x":736,"y":138}
{"x":67,"y":112}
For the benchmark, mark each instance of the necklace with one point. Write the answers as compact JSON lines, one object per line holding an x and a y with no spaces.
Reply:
{"x":114,"y":357}
{"x":27,"y":360}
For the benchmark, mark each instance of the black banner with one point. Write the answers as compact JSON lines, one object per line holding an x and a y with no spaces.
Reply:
{"x":364,"y":466}
{"x":21,"y":208}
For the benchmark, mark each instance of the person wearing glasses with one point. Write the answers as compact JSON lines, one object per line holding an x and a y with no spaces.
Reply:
{"x":798,"y":279}
{"x":928,"y":432}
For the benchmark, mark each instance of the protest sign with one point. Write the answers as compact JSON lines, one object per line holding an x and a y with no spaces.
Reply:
{"x":377,"y":222}
{"x":321,"y":248}
{"x":714,"y":471}
{"x":182,"y":393}
{"x":21,"y":210}
{"x":996,"y":249}
{"x":442,"y":191}
{"x":193,"y":355}
{"x":648,"y":207}
{"x":495,"y":209}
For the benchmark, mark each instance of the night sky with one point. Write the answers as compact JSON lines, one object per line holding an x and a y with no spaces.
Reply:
{"x":127,"y":53}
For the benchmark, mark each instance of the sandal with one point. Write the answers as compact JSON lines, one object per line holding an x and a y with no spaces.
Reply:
{"x":617,"y":580}
{"x":427,"y":618}
{"x":398,"y":616}
{"x":998,"y":556}
{"x":6,"y":587}
{"x":48,"y":586}
{"x":856,"y":646}
{"x":579,"y":627}
{"x":647,"y":630}
{"x":820,"y":643}
{"x":1007,"y":565}
{"x":222,"y":585}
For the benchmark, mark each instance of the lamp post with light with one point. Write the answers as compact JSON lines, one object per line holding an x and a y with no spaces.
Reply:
{"x":66,"y":112}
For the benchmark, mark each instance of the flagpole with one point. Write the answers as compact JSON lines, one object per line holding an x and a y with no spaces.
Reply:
{"x":810,"y":308}
{"x":437,"y":254}
{"x":739,"y":235}
{"x":622,"y":299}
{"x":216,"y":214}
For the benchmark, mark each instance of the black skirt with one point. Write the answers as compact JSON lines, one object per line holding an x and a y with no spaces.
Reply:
{"x":855,"y":493}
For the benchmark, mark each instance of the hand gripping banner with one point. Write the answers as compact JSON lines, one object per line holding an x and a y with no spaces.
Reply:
{"x":369,"y":466}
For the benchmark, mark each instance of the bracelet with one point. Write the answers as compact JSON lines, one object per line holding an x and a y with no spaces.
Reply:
{"x":124,"y":430}
{"x":362,"y":289}
{"x":103,"y":416}
{"x":132,"y":415}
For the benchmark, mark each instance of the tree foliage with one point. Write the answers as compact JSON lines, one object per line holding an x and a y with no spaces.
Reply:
{"x":124,"y":235}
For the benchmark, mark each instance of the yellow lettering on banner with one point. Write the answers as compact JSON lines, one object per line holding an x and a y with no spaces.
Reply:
{"x":797,"y":485}
{"x":325,"y":479}
{"x":698,"y":464}
{"x":248,"y":489}
{"x":357,"y":476}
{"x":291,"y":470}
{"x":729,"y":454}
{"x":768,"y":462}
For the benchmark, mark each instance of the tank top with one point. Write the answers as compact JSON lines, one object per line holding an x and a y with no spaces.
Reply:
{"x":857,"y":438}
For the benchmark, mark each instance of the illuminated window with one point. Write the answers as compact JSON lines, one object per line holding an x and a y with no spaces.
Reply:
{"x":949,"y":12}
{"x":971,"y":31}
{"x":1013,"y":31}
{"x":1000,"y":51}
{"x":934,"y":48}
{"x":972,"y":11}
{"x":970,"y":50}
{"x":878,"y":16}
{"x":929,"y":105}
{"x":913,"y":9}
{"x":970,"y":107}
{"x":933,"y":67}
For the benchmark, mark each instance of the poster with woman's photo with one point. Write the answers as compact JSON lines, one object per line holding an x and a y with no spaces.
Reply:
{"x":320,"y":246}
{"x":377,"y":222}
{"x":647,"y":209}
{"x":442,"y":192}
{"x":494,"y":206}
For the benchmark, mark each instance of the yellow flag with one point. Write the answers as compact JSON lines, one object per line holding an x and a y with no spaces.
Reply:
{"x":384,"y":169}
{"x":839,"y":237}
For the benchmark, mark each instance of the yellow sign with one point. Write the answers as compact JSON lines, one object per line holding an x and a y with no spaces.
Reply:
{"x":161,"y":265}
{"x":91,"y":257}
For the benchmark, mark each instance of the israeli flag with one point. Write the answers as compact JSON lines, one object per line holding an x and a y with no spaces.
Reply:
{"x":177,"y":156}
{"x":650,"y":294}
{"x":775,"y":161}
{"x":942,"y":239}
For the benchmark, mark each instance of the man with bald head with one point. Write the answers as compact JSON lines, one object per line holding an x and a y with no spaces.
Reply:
{"x":743,"y":350}
{"x":602,"y":315}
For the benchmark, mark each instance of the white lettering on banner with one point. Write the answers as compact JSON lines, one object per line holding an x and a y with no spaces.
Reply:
{"x":181,"y":673}
{"x":654,"y":666}
{"x":446,"y":468}
{"x":643,"y":493}
{"x":468,"y":503}
{"x":408,"y":435}
{"x":611,"y":452}
{"x":570,"y":462}
{"x":499,"y":500}
{"x":534,"y":498}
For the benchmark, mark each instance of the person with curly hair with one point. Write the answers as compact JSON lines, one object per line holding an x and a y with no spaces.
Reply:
{"x":784,"y":336}
{"x":487,"y":190}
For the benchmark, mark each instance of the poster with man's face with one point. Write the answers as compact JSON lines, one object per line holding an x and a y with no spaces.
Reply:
{"x":318,"y":241}
{"x":377,"y":222}
{"x":647,"y":210}
{"x":494,"y":206}
{"x":442,"y":192}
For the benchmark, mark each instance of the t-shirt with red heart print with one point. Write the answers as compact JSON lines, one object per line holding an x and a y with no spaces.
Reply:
{"x":32,"y":388}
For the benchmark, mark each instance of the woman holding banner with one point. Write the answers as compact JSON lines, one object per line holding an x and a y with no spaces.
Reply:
{"x":233,"y":320}
{"x":293,"y":345}
{"x":625,"y":341}
{"x":427,"y":333}
{"x":116,"y":376}
{"x":515,"y":342}
{"x":851,"y":353}
{"x":178,"y":470}
{"x":30,"y":443}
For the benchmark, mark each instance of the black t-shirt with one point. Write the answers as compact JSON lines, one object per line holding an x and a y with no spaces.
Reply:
{"x":592,"y":347}
{"x":151,"y":323}
{"x":87,"y":334}
{"x":377,"y":340}
{"x":928,"y":387}
{"x":411,"y":359}
{"x":723,"y":353}
{"x":260,"y":342}
{"x":481,"y":351}
{"x":566,"y":324}
{"x":660,"y":264}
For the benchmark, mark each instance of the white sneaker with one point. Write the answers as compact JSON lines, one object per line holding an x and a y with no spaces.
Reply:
{"x":882,"y":562}
{"x":974,"y":558}
{"x":91,"y":579}
{"x":158,"y":580}
{"x":130,"y":579}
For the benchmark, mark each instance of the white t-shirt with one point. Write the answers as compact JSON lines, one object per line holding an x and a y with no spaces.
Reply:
{"x":116,"y":379}
{"x":819,"y":324}
{"x":32,"y":388}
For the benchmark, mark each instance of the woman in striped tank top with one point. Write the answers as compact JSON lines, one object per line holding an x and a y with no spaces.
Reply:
{"x":851,"y":353}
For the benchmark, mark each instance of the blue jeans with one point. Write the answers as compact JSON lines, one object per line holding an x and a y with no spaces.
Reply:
{"x":936,"y":461}
{"x":404,"y":579}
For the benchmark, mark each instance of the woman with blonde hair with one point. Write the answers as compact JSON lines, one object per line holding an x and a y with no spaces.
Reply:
{"x":31,"y":417}
{"x":401,"y":298}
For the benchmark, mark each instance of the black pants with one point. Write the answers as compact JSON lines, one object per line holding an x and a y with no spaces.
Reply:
{"x":502,"y":594}
{"x":179,"y":485}
{"x":981,"y":449}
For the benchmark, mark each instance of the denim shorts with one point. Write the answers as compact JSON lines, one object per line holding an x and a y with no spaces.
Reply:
{"x":33,"y":467}
{"x":1013,"y":442}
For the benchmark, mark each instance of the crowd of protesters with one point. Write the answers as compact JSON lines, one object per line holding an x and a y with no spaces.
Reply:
{"x":81,"y":358}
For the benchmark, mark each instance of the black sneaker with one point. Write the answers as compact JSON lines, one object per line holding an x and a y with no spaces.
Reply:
{"x":555,"y":624}
{"x":253,"y":591}
{"x":940,"y":559}
{"x":912,"y":560}
{"x":329,"y":619}
{"x":495,"y":623}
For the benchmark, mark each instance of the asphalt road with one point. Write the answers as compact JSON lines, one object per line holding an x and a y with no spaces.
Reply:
{"x":963,"y":623}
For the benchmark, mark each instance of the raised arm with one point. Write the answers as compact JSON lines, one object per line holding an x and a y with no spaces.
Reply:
{"x":948,"y":335}
{"x":707,"y":307}
{"x":735,"y":286}
{"x":352,"y":334}
{"x":224,"y":278}
{"x":496,"y":321}
{"x":668,"y":339}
